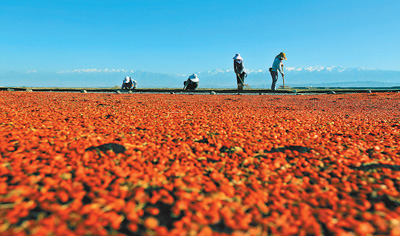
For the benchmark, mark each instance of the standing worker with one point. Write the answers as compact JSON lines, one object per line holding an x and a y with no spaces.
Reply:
{"x":277,"y":65}
{"x":239,"y":70}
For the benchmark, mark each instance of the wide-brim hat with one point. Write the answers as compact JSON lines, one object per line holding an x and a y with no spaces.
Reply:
{"x":237,"y":57}
{"x":283,"y":56}
{"x":194,"y":76}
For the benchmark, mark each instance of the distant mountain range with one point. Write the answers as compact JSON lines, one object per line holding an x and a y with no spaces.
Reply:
{"x":294,"y":77}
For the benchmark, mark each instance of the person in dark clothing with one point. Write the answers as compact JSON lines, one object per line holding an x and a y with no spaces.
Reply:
{"x":191,"y":83}
{"x":126,"y":83}
{"x":239,"y":70}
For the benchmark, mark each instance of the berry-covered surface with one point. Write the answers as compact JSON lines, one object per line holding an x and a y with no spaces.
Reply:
{"x":168,"y":164}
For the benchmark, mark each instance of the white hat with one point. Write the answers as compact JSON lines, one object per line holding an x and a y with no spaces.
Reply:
{"x":237,"y":57}
{"x":127,"y":77}
{"x":194,"y":78}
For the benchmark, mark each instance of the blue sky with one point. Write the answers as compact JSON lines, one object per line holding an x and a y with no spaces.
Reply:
{"x":188,"y":36}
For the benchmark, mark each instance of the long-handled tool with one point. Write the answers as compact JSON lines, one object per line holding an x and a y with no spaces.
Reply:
{"x":283,"y":79}
{"x":240,"y":78}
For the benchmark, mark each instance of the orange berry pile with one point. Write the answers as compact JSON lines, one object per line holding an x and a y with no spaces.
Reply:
{"x":171,"y":164}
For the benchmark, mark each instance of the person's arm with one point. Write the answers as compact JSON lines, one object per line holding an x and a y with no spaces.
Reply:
{"x":280,"y":69}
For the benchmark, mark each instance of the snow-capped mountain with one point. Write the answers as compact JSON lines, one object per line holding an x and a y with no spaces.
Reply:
{"x":308,"y":76}
{"x":219,"y":78}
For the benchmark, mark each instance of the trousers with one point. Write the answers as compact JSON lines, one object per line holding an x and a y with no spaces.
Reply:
{"x":274,"y":75}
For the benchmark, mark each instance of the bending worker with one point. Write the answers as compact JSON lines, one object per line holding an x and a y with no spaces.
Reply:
{"x":239,"y":70}
{"x":191,"y":83}
{"x":129,"y":83}
{"x":277,"y":66}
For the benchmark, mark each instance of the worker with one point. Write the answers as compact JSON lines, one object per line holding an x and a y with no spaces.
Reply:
{"x":191,"y":83}
{"x":134,"y":83}
{"x":129,"y":83}
{"x":277,"y":66}
{"x":239,"y":70}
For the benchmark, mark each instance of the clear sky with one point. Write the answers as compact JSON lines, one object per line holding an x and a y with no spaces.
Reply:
{"x":183,"y":36}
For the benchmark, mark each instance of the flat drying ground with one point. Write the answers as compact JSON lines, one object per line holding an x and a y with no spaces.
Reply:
{"x":169,"y":164}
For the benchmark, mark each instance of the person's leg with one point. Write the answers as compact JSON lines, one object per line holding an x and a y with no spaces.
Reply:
{"x":274,"y":75}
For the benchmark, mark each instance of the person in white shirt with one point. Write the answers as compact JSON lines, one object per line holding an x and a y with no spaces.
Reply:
{"x":134,"y":83}
{"x":277,"y":66}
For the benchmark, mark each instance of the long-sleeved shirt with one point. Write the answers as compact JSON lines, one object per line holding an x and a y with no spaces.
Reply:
{"x":277,"y":65}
